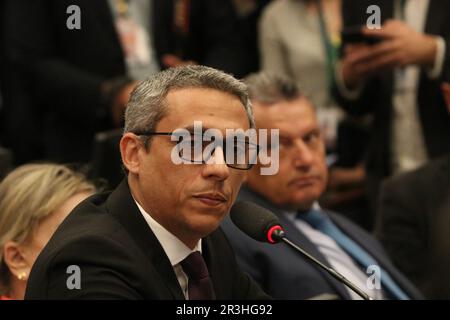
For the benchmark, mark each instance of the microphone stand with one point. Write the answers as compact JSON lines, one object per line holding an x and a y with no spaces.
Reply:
{"x":281,"y":236}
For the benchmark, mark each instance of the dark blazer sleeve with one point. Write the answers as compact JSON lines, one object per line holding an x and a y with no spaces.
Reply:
{"x":105,"y":272}
{"x":401,"y":228}
{"x":437,"y":24}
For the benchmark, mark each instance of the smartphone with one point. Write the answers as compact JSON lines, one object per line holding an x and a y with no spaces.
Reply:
{"x":354,"y":34}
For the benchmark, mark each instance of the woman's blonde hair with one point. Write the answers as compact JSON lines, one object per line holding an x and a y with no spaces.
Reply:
{"x":29,"y":194}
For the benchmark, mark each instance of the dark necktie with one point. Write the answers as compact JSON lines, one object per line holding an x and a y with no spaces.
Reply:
{"x":200,"y":286}
{"x":320,"y":221}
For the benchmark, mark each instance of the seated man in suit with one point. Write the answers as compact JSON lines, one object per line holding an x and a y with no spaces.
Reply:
{"x":292,"y":194}
{"x":413,"y":222}
{"x":413,"y":225}
{"x":156,"y":235}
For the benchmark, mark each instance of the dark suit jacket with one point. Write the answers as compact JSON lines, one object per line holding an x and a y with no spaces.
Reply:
{"x":376,"y":97}
{"x":413,"y":225}
{"x":120,"y":257}
{"x":284,"y":274}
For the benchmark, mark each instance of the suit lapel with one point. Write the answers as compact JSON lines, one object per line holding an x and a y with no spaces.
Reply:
{"x":300,"y":239}
{"x":359,"y":238}
{"x":380,"y":257}
{"x":296,"y":236}
{"x":122,"y":206}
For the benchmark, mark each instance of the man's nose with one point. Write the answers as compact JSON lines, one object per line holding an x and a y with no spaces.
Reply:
{"x":303,"y":156}
{"x":216,"y":167}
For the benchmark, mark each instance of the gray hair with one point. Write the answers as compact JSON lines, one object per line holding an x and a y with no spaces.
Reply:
{"x":270,"y":88}
{"x":147,"y":105}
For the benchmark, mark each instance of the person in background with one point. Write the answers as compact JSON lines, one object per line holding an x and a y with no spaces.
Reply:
{"x":301,"y":39}
{"x":34,"y":200}
{"x":76,"y":62}
{"x":216,"y":33}
{"x":292,"y":194}
{"x":395,"y":75}
{"x":249,"y":14}
{"x":413,"y":223}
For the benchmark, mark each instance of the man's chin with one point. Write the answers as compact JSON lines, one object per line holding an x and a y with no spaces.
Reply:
{"x":304,"y":203}
{"x":205,"y":227}
{"x":209,"y":216}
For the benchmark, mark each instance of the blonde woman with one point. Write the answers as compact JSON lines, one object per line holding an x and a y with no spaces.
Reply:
{"x":34,"y":200}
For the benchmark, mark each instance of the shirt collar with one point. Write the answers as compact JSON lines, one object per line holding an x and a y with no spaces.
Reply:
{"x":174,"y":248}
{"x":293,"y":214}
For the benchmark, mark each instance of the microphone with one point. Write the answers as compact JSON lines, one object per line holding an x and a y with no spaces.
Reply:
{"x":256,"y":222}
{"x":264,"y":226}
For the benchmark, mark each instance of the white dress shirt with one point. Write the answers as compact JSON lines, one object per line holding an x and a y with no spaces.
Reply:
{"x":175,"y":250}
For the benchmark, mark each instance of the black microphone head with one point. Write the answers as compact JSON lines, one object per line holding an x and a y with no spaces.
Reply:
{"x":256,"y":222}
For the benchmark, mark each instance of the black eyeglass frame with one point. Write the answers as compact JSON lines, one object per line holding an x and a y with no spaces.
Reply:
{"x":152,"y":133}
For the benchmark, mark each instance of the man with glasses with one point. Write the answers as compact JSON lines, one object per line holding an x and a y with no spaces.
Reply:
{"x":292,"y":194}
{"x":156,"y":236}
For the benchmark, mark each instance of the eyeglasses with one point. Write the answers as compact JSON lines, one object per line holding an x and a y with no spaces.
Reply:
{"x":238,"y":153}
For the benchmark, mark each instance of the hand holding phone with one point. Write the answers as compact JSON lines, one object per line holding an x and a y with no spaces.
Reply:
{"x":354,"y":34}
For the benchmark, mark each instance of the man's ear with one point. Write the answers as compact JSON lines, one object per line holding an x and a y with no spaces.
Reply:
{"x":130,"y":144}
{"x":15,"y":260}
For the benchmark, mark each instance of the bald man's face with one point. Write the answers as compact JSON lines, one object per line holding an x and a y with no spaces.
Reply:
{"x":302,"y":175}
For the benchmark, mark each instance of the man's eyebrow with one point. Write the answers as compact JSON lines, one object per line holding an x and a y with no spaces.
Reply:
{"x":312,"y":131}
{"x":191,"y":128}
{"x":284,"y":135}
